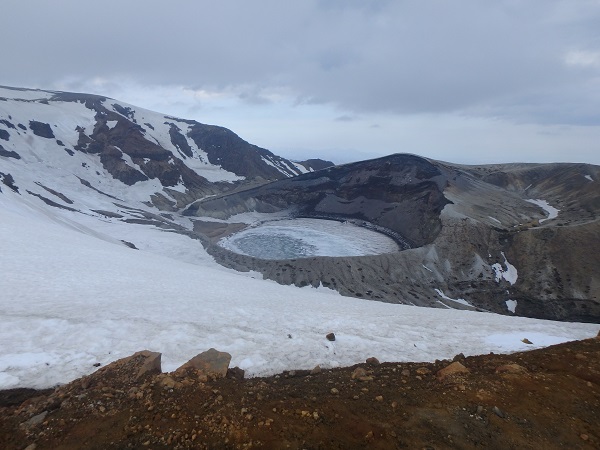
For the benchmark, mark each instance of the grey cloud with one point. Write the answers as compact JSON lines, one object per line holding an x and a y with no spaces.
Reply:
{"x":345,"y":118}
{"x":502,"y":58}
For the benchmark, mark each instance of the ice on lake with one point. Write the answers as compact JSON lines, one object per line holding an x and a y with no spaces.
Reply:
{"x":303,"y":238}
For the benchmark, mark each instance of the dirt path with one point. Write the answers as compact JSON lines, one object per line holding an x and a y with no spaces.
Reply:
{"x":547,"y":398}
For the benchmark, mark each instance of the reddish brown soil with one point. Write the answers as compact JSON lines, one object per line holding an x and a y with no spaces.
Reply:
{"x":553,"y":403}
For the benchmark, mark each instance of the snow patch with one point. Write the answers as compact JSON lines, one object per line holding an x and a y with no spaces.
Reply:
{"x":514,"y":341}
{"x":462,"y":301}
{"x":511,"y":305}
{"x":111,"y":124}
{"x":508,"y":272}
{"x":287,"y":173}
{"x":551,"y":210}
{"x":589,"y":177}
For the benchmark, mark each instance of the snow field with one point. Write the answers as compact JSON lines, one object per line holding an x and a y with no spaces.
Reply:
{"x":550,"y":210}
{"x":69,"y":300}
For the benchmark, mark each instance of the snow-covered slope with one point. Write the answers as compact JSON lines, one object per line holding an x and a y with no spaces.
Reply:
{"x":72,"y":297}
{"x":93,"y":143}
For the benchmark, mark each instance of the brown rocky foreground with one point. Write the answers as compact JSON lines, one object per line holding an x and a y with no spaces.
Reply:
{"x":548,"y":398}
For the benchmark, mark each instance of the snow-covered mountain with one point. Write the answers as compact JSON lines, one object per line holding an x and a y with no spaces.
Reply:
{"x":52,"y":139}
{"x":111,"y":218}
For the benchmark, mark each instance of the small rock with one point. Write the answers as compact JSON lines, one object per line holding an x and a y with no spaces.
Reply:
{"x":459,"y":357}
{"x":373,"y":361}
{"x":330,"y":337}
{"x":405,"y":373}
{"x":498,"y":412}
{"x":526,"y":341}
{"x":150,"y":365}
{"x":452,"y":369}
{"x":379,"y":398}
{"x":369,"y":435}
{"x":31,"y":447}
{"x":359,"y":372}
{"x":168,"y":382}
{"x":96,"y":364}
{"x":236,"y":373}
{"x":367,"y":378}
{"x":85,"y":382}
{"x":423,"y":371}
{"x":334,"y":391}
{"x":584,"y":436}
{"x":36,"y":420}
{"x":316,"y":370}
{"x":210,"y":362}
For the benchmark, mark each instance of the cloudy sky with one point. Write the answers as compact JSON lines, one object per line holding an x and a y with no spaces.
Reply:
{"x":470,"y":81}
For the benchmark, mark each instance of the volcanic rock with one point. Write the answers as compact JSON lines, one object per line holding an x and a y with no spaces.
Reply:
{"x":453,"y":369}
{"x":211,"y":363}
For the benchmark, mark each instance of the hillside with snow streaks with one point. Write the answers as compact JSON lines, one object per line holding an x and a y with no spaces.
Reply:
{"x":108,"y":145}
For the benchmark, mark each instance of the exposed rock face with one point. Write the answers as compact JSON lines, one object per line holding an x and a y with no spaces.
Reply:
{"x":9,"y":153}
{"x":228,"y":150}
{"x":41,"y":129}
{"x":316,"y":164}
{"x":401,"y":193}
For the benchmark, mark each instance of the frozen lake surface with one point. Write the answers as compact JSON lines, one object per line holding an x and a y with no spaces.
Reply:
{"x":303,"y":238}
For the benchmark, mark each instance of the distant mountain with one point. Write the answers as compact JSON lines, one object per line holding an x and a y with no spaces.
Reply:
{"x":103,"y":141}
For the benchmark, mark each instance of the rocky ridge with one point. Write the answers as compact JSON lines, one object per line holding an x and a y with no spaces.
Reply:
{"x":546,"y":398}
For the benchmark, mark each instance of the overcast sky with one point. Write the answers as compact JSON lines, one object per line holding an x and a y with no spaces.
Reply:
{"x":465,"y":81}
